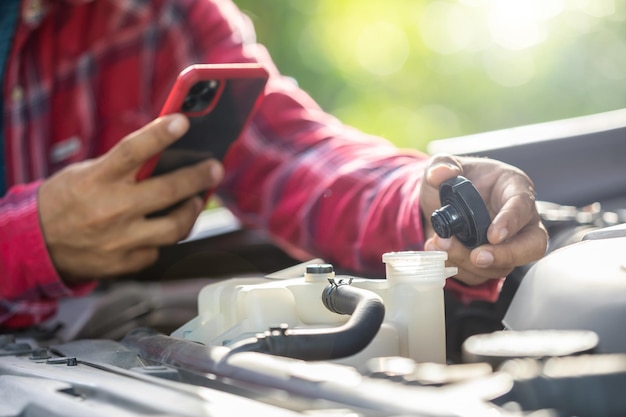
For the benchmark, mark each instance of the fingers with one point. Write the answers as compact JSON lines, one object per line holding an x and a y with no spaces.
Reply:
{"x":492,"y":261}
{"x":516,"y":212}
{"x":167,"y":229}
{"x":162,"y":191}
{"x":138,"y":147}
{"x":156,"y":193}
{"x":459,"y":256}
{"x":441,"y":168}
{"x":528,"y":245}
{"x":137,"y":247}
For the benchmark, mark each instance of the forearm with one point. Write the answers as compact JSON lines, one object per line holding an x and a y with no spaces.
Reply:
{"x":334,"y":193}
{"x":323,"y":187}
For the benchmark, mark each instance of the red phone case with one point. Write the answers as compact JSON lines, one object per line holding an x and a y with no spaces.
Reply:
{"x":234,"y":90}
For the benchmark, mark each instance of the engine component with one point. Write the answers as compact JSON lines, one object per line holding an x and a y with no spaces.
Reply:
{"x":237,"y":309}
{"x":494,"y":348}
{"x":581,"y":286}
{"x":366,"y":312}
{"x":583,"y":386}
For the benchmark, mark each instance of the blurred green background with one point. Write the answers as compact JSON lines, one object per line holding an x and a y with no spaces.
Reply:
{"x":417,"y":70}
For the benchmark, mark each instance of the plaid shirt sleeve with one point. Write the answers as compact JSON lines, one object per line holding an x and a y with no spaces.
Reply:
{"x":29,"y":284}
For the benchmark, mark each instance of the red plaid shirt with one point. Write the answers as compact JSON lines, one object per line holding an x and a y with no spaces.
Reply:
{"x":83,"y":74}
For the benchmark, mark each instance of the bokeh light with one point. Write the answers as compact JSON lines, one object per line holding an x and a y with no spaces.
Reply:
{"x":509,"y":69}
{"x":382,"y":48}
{"x":447,"y":28}
{"x":418,"y":70}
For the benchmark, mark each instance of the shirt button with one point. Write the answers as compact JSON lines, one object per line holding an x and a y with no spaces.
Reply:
{"x":17,"y":94}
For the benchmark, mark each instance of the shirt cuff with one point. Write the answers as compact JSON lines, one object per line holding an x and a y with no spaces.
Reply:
{"x":487,"y":291}
{"x":36,"y":259}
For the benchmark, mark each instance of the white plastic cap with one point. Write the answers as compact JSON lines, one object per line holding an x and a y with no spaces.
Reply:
{"x":417,"y":266}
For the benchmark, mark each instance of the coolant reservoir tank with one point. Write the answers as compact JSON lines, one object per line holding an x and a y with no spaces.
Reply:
{"x":417,"y":301}
{"x":414,"y":324}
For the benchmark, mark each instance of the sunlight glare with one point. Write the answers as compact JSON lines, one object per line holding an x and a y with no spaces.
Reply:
{"x":447,"y":28}
{"x":516,"y":25}
{"x":596,"y":8}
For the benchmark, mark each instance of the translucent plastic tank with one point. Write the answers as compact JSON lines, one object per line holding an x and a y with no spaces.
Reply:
{"x":414,"y":324}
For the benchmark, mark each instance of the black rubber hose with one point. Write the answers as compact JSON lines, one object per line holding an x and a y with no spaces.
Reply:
{"x":367,"y":313}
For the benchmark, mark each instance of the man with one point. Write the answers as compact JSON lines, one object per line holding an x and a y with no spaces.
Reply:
{"x":83,"y":81}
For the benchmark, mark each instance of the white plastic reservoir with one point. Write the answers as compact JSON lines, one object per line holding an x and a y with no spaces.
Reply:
{"x":414,"y":323}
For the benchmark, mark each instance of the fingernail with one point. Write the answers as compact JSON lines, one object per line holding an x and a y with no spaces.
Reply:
{"x":502,"y":234}
{"x":177,"y":125}
{"x":449,"y":165}
{"x":444,"y":244}
{"x":484,"y":258}
{"x":429,"y":245}
{"x":217,"y":172}
{"x":443,"y":164}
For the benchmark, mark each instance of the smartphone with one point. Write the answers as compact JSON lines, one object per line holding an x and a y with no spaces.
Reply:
{"x":219,"y":100}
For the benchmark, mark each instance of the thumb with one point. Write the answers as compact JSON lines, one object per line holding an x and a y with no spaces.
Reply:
{"x":442,"y":168}
{"x":135,"y":149}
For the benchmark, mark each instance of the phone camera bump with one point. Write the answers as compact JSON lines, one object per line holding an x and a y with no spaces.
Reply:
{"x":200,"y":96}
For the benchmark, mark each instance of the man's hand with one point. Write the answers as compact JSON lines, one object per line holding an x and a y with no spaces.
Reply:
{"x":94,"y":213}
{"x":516,"y":235}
